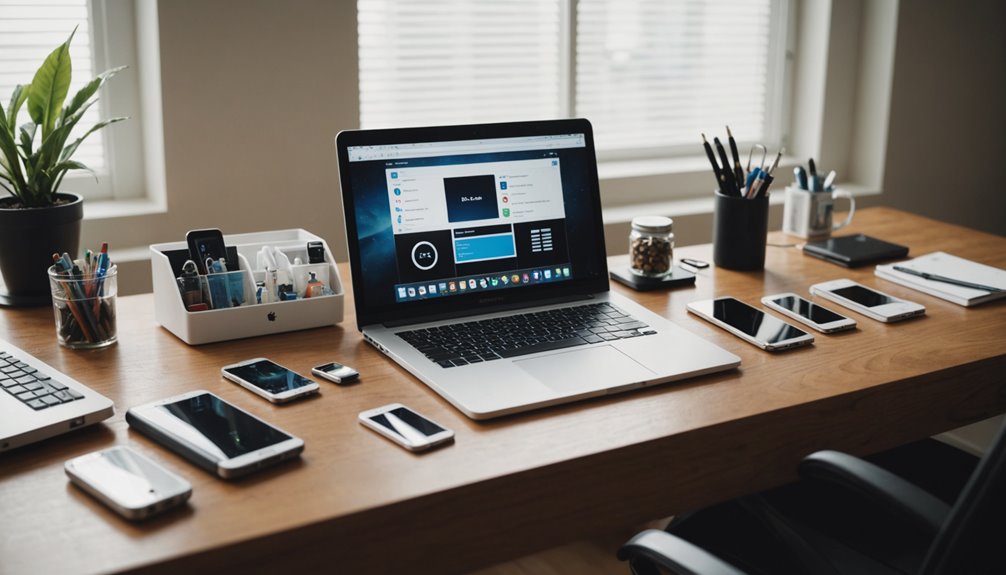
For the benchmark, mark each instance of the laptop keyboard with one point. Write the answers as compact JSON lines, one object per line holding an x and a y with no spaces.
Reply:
{"x":520,"y":334}
{"x":36,"y":389}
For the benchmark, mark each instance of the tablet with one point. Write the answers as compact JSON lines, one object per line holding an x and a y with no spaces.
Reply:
{"x":213,"y":434}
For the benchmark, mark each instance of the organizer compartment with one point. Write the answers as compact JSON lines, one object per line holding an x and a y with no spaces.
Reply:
{"x":250,"y":320}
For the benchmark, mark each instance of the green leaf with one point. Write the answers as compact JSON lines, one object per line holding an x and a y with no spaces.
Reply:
{"x":11,"y":161}
{"x":17,"y":99}
{"x":49,"y":87}
{"x":85,"y":93}
{"x":27,"y":138}
{"x":60,"y":170}
{"x":69,"y":150}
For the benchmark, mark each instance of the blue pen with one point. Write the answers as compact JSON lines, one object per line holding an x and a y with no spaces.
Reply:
{"x":801,"y":177}
{"x":752,"y":176}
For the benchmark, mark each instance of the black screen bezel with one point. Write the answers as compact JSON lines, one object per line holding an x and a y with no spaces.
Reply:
{"x":594,"y":279}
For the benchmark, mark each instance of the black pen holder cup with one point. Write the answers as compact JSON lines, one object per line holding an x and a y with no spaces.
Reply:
{"x":740,"y":228}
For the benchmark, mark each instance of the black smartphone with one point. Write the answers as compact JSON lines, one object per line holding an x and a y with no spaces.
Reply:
{"x":205,"y":244}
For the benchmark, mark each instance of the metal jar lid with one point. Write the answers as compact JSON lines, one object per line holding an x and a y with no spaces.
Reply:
{"x":652,"y":224}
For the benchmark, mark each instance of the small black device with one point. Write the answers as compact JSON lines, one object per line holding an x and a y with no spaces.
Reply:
{"x":855,"y":250}
{"x":679,"y":277}
{"x":208,"y":243}
{"x":336,"y":372}
{"x":315,"y":252}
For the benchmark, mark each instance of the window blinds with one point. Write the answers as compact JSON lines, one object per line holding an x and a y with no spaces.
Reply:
{"x":653,"y":74}
{"x":458,"y":61}
{"x":29,"y":31}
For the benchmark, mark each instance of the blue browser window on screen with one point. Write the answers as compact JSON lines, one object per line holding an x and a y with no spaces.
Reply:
{"x":470,"y":216}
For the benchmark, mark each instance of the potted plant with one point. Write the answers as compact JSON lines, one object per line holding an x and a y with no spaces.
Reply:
{"x":36,"y":219}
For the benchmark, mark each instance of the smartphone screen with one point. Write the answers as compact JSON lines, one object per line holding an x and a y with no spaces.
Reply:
{"x":752,"y":321}
{"x":205,"y":244}
{"x":863,"y":296}
{"x":269,"y":376}
{"x":809,"y":310}
{"x":215,"y":426}
{"x":407,"y":424}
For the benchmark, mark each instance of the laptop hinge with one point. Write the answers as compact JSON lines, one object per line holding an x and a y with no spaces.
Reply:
{"x":488,"y":310}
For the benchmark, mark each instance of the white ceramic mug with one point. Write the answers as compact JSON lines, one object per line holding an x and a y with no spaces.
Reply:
{"x":809,"y":214}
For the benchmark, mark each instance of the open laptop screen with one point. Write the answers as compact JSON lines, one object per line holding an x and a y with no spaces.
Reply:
{"x":460,"y":217}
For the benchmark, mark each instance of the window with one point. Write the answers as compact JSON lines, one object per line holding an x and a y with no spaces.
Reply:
{"x":649,"y":74}
{"x":29,"y":31}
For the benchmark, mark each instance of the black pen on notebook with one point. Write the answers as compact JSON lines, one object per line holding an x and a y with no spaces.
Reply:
{"x":946,"y":280}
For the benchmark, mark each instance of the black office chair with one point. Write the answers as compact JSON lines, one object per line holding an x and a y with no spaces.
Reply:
{"x":890,"y":525}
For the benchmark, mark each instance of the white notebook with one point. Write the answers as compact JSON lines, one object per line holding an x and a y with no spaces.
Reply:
{"x":944,"y":264}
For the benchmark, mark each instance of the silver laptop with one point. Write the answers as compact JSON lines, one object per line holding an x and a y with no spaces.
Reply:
{"x":37,"y":401}
{"x":478,"y":263}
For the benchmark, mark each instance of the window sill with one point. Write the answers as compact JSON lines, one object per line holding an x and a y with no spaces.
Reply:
{"x":110,"y":209}
{"x":623,"y":214}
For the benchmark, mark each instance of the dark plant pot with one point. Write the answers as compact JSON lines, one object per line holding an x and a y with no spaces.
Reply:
{"x":28,"y":238}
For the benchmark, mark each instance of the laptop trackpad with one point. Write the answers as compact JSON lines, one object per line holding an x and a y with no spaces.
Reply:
{"x":585,"y":369}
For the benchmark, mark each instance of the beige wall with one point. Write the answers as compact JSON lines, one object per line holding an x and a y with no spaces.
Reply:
{"x":255,"y":91}
{"x":946,"y":149}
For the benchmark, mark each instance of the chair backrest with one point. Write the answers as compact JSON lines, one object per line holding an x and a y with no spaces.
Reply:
{"x":973,"y":538}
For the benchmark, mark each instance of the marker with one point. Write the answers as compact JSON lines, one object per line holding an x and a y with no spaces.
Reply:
{"x":829,"y":181}
{"x":814,"y":180}
{"x":801,"y":177}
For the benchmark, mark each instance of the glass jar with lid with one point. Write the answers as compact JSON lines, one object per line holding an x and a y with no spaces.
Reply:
{"x":651,"y":245}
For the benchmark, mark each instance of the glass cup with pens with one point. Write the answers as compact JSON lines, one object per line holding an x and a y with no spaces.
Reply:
{"x":83,"y":300}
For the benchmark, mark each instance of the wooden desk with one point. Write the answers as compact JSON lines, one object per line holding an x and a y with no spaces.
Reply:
{"x":357,"y":504}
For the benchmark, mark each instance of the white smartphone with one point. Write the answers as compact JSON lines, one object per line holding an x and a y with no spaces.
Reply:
{"x":867,"y":301}
{"x":750,"y":324}
{"x":336,"y":372}
{"x":214,"y":434}
{"x":805,"y":311}
{"x":269,"y":379}
{"x":133,"y":485}
{"x":406,"y":427}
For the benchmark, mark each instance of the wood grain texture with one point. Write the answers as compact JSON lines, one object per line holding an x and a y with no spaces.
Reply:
{"x":354,"y":503}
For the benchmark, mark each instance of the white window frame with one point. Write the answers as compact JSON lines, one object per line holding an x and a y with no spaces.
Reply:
{"x":835,"y":109}
{"x":133,"y":180}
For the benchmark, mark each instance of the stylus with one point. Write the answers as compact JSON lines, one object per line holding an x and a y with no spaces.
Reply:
{"x":946,"y":280}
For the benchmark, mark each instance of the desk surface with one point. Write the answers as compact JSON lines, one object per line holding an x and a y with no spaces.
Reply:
{"x":356,"y":503}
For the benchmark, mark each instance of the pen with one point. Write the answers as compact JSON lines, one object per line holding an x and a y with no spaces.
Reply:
{"x":712,"y":159}
{"x":814,"y":180}
{"x":829,"y":181}
{"x":738,"y":173}
{"x":801,"y":177}
{"x":775,"y":164}
{"x":727,"y":175}
{"x":946,"y":280}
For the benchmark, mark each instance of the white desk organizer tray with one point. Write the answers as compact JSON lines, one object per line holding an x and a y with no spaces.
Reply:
{"x":250,"y":319}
